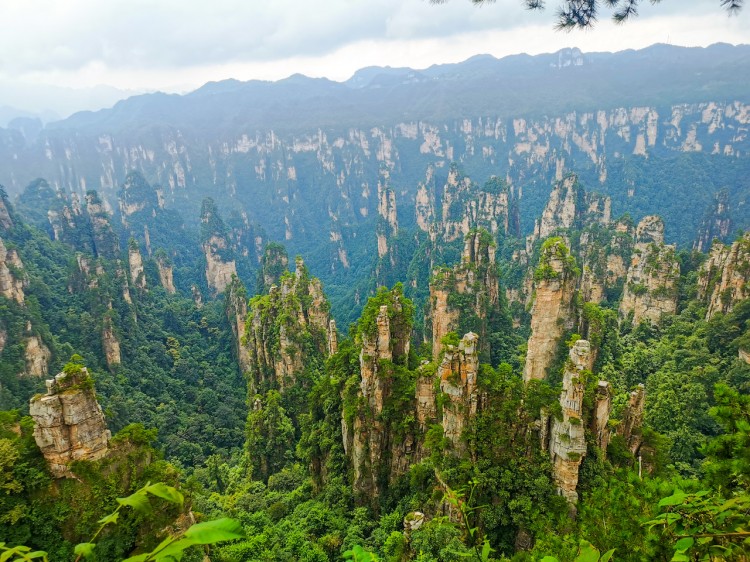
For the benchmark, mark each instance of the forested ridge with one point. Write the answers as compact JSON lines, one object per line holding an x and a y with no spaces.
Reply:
{"x":499,"y":396}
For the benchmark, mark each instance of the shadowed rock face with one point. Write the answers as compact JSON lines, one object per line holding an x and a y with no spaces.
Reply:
{"x":69,"y":423}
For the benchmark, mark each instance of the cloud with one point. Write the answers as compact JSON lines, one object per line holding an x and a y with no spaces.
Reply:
{"x":175,"y":44}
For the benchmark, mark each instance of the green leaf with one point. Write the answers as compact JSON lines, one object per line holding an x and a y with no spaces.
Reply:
{"x":138,"y":501}
{"x":684,"y":543}
{"x":84,"y":549}
{"x":587,"y":552}
{"x":607,"y":555}
{"x":680,"y":557}
{"x":211,"y":532}
{"x":174,"y":549}
{"x":675,"y":499}
{"x":486,"y":550}
{"x":549,"y":559}
{"x":165,"y":492}
{"x":111,"y":518}
{"x":138,"y":558}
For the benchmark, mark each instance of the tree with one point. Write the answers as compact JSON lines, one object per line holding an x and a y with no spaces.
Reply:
{"x":584,"y":13}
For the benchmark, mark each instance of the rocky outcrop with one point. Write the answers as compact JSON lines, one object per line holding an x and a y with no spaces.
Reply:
{"x":631,"y":425}
{"x":552,"y":311}
{"x":333,"y":338}
{"x":424,"y":204}
{"x":135,"y":262}
{"x":6,"y":221}
{"x":236,"y":309}
{"x":164,"y":267}
{"x":273,"y":264}
{"x":600,"y":420}
{"x":219,"y":271}
{"x":220,"y":262}
{"x":717,"y":224}
{"x":388,"y":220}
{"x":36,"y":355}
{"x":69,"y":423}
{"x":567,"y":445}
{"x":724,"y":278}
{"x":458,"y":383}
{"x":278,"y":324}
{"x":470,"y":288}
{"x":569,"y":206}
{"x":110,"y":343}
{"x":12,"y":274}
{"x":379,"y":451}
{"x":105,"y":240}
{"x":651,"y":287}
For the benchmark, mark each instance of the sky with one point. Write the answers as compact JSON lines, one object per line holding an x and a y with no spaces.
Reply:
{"x":48,"y":47}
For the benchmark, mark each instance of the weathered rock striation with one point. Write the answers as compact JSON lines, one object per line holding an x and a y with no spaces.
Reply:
{"x":552,"y":312}
{"x":471,"y":288}
{"x":567,"y":444}
{"x":724,"y":278}
{"x":12,"y":275}
{"x":277,"y":326}
{"x":651,"y":287}
{"x":135,"y":263}
{"x":165,"y":269}
{"x":236,"y":309}
{"x":69,"y":423}
{"x":220,"y":262}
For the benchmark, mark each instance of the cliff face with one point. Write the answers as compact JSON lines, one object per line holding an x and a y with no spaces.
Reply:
{"x":220,"y":263}
{"x":724,"y":277}
{"x":110,"y":343}
{"x":236,"y":308}
{"x":378,"y":449}
{"x":458,"y":382}
{"x":632,"y":422}
{"x":12,"y":276}
{"x":651,"y":287}
{"x":471,"y":288}
{"x":567,"y":444}
{"x":388,"y":222}
{"x":105,"y":239}
{"x":552,"y":312}
{"x":568,"y":204}
{"x":69,"y":423}
{"x":164,"y":266}
{"x":716,"y":224}
{"x":135,"y":261}
{"x":285,"y":331}
{"x":36,"y":356}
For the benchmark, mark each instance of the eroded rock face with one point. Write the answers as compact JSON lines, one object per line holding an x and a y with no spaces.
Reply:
{"x":458,"y":381}
{"x":378,"y":455}
{"x":236,"y":308}
{"x":135,"y":261}
{"x":6,"y":222}
{"x":567,"y":207}
{"x":725,"y":276}
{"x":388,"y":223}
{"x":600,"y":421}
{"x":293,"y":309}
{"x":110,"y":343}
{"x":218,"y":272}
{"x":69,"y":423}
{"x":12,"y":275}
{"x":567,"y":444}
{"x":651,"y":287}
{"x":105,"y":239}
{"x":716,"y":224}
{"x":552,"y":309}
{"x":475,"y":277}
{"x":166,"y":278}
{"x":632,"y":422}
{"x":36,"y":356}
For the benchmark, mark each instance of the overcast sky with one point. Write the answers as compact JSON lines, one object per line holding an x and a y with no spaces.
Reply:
{"x":177,"y":45}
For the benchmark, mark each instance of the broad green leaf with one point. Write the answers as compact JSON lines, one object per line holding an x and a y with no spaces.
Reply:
{"x":675,"y":499}
{"x":486,"y":550}
{"x":549,"y":559}
{"x":138,"y":558}
{"x":37,"y":554}
{"x":137,"y":501}
{"x":174,"y":549}
{"x":165,"y":492}
{"x":684,"y":543}
{"x":587,"y":552}
{"x":211,"y":532}
{"x":607,"y":555}
{"x":84,"y":549}
{"x":110,"y":519}
{"x":680,"y":557}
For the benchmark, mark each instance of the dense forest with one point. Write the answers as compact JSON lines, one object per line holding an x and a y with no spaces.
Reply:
{"x":486,"y":395}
